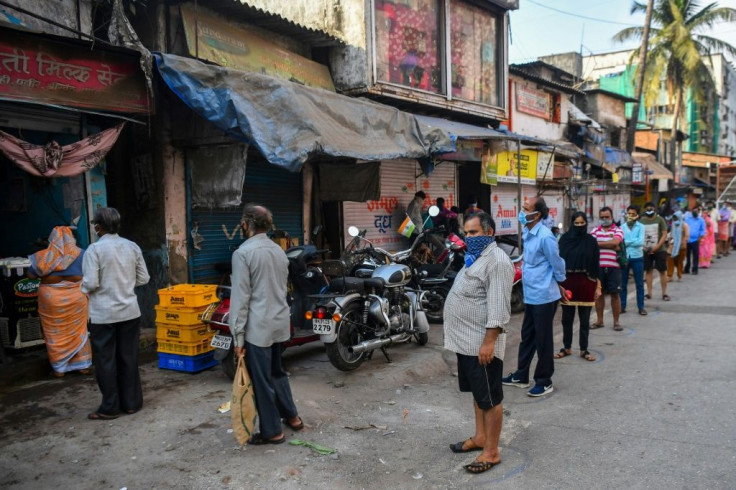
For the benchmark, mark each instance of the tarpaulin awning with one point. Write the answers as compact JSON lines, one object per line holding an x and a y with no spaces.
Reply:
{"x":654,"y":169}
{"x":577,"y":116}
{"x":617,"y":157}
{"x":290,"y":123}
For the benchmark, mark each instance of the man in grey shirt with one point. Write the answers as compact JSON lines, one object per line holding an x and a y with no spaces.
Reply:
{"x":112,"y":268}
{"x":259,"y":322}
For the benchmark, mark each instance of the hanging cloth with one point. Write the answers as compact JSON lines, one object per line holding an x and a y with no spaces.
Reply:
{"x":54,"y":160}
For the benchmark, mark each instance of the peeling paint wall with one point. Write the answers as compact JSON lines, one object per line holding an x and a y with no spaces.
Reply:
{"x":344,"y":19}
{"x":60,"y":11}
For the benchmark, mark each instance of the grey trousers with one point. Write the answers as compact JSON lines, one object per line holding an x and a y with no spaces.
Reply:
{"x":271,"y":387}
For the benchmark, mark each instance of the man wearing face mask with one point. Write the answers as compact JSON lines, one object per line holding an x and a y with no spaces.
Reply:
{"x":259,"y":322}
{"x":697,"y":231}
{"x":655,"y":249}
{"x":634,"y":240}
{"x":477,"y":309}
{"x":542,"y":272}
{"x":609,"y":238}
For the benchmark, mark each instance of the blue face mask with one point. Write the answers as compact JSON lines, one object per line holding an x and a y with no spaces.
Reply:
{"x":476,"y":245}
{"x":523,"y":217}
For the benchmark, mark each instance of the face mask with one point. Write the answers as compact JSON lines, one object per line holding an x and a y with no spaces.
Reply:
{"x":676,"y":223}
{"x":523,"y":215}
{"x":606,"y":223}
{"x":579,"y":230}
{"x":649,"y":212}
{"x":476,"y":245}
{"x":695,"y":214}
{"x":630,"y":219}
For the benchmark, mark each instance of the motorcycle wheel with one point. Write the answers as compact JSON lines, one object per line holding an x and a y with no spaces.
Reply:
{"x":434,"y":303}
{"x":517,"y":299}
{"x":347,"y":336}
{"x":229,"y":364}
{"x":421,"y":338}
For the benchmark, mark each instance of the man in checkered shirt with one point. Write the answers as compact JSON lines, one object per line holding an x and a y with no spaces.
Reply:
{"x":476,"y":310}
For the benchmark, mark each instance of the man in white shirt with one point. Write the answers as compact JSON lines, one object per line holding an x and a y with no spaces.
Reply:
{"x":112,"y":268}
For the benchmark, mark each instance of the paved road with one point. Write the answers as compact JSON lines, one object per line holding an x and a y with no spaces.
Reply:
{"x":655,"y":411}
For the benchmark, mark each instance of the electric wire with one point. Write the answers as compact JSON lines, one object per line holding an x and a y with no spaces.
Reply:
{"x":582,"y":16}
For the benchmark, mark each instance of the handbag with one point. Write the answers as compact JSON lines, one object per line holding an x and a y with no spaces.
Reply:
{"x":621,"y":257}
{"x":243,"y":404}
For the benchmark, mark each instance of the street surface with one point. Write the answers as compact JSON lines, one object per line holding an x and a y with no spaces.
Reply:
{"x":654,"y":411}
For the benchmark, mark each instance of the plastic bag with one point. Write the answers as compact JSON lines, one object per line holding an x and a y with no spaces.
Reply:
{"x":243,"y":404}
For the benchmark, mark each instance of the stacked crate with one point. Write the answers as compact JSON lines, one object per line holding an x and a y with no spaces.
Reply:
{"x":183,"y":339}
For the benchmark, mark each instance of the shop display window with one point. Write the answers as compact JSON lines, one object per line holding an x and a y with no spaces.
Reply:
{"x":411,"y":46}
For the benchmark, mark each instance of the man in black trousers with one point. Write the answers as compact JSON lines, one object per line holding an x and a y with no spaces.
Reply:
{"x":112,"y":268}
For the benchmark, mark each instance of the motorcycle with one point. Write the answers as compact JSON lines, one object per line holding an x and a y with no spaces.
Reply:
{"x":509,"y":244}
{"x":305,"y":279}
{"x":369,"y":305}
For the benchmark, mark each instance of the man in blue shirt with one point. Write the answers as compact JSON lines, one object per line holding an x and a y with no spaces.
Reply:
{"x":697,"y":232}
{"x":634,"y":240}
{"x":543,"y":269}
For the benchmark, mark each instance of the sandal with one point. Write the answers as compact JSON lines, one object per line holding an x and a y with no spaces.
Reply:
{"x":101,"y":416}
{"x":666,"y":297}
{"x":57,"y":374}
{"x":647,"y":296}
{"x":459,"y":447}
{"x":587,"y":356}
{"x":563,"y":353}
{"x":258,"y":440}
{"x":618,"y":327}
{"x":596,"y":325}
{"x":480,"y":466}
{"x":295,"y":427}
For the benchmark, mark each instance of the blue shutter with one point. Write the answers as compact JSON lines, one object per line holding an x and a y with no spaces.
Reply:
{"x":277,"y":189}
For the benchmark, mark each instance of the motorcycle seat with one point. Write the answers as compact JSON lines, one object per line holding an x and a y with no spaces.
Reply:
{"x":356,"y":284}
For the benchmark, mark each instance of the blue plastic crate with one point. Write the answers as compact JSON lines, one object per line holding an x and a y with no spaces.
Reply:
{"x":187,"y":364}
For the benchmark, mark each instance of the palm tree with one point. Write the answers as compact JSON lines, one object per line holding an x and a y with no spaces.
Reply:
{"x":679,"y":49}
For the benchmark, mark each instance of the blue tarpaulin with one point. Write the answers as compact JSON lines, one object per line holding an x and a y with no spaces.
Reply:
{"x":617,"y":157}
{"x":290,"y":123}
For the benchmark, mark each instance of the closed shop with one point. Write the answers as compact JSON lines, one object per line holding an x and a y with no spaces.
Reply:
{"x":399,"y":183}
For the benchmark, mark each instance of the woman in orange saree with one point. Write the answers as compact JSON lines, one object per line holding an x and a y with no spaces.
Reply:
{"x":62,"y":306}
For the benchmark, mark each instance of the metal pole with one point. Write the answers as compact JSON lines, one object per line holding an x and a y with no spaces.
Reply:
{"x":518,"y":191}
{"x":88,"y":191}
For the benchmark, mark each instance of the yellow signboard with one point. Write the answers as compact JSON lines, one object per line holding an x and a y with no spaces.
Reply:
{"x":215,"y":40}
{"x":508,"y":166}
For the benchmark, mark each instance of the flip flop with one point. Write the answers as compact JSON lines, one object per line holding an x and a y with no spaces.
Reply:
{"x":587,"y":356}
{"x":647,"y":296}
{"x":480,"y":466}
{"x":596,"y":325}
{"x":458,"y":447}
{"x":618,"y":327}
{"x":563,"y":353}
{"x":258,"y":440}
{"x":295,"y":427}
{"x":101,"y":416}
{"x":666,"y":298}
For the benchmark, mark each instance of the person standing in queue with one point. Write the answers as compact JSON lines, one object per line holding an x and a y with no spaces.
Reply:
{"x":111,"y":269}
{"x":477,"y":309}
{"x":542,"y":272}
{"x":634,"y":241}
{"x":259,"y":322}
{"x":609,"y":238}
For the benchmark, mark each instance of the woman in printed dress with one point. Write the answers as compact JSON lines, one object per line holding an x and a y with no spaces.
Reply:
{"x":707,"y":247}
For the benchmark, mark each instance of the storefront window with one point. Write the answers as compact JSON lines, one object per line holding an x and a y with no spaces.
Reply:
{"x":407,"y":43}
{"x":474,"y":48}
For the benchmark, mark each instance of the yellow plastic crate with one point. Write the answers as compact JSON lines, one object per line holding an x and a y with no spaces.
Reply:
{"x":188,"y":295}
{"x":183,"y":333}
{"x":179,"y":316}
{"x":185,"y":348}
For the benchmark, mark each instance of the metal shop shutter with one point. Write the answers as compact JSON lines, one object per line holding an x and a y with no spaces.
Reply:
{"x":398,"y":184}
{"x":219,"y":230}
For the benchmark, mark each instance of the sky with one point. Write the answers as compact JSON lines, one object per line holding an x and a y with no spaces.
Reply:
{"x":538,"y":31}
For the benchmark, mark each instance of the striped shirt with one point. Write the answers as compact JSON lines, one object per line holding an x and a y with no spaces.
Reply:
{"x":608,"y":255}
{"x":480,"y":299}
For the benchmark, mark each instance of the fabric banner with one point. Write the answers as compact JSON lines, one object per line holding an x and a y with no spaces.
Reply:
{"x":407,"y":227}
{"x":54,"y":160}
{"x":489,"y":166}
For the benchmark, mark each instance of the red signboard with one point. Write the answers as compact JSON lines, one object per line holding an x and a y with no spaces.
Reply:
{"x":36,"y":69}
{"x":533,"y":102}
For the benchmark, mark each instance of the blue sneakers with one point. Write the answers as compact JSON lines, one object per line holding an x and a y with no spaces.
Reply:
{"x":510,"y":381}
{"x":541,"y":390}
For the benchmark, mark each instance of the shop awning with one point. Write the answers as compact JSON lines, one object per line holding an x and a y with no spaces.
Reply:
{"x":290,"y":123}
{"x":654,"y":169}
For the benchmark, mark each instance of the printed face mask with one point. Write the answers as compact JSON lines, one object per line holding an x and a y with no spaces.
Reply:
{"x":606,"y":222}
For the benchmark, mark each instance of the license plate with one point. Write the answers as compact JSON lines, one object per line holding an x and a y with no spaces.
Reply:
{"x":221,"y":342}
{"x":323,"y":326}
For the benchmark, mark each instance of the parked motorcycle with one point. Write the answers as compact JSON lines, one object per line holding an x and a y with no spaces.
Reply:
{"x":509,"y":244}
{"x":369,"y":305}
{"x":305,"y":279}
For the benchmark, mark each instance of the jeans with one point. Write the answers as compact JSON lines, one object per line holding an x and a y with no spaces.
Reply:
{"x":271,"y":387}
{"x":536,"y":336}
{"x":568,"y":317}
{"x":693,"y":252}
{"x":637,"y":265}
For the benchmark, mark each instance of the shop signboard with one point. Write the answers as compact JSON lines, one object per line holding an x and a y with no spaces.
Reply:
{"x":215,"y":40}
{"x":505,"y":207}
{"x":489,"y":166}
{"x":637,"y":175}
{"x":508,"y":166}
{"x":533,"y":102}
{"x":40,"y":70}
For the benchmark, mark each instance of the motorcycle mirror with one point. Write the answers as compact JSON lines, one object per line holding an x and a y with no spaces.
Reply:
{"x":353,"y":231}
{"x":434,"y":211}
{"x":559,"y":226}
